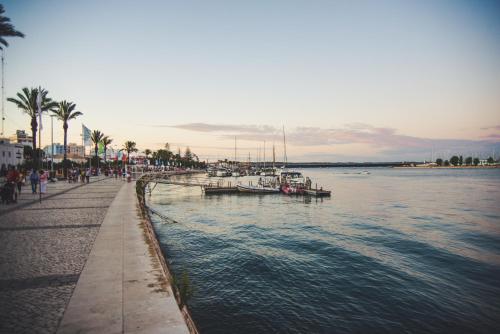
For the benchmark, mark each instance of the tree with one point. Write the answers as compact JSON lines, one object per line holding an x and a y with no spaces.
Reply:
{"x":461,"y":160}
{"x":147,"y":152}
{"x":96,"y":137}
{"x":7,"y":29}
{"x":187,"y":154}
{"x":491,"y":161}
{"x":129,"y":146}
{"x":454,"y":160}
{"x":446,"y":163}
{"x":65,"y":111}
{"x":439,"y":162}
{"x":106,"y":141}
{"x":26,"y":101}
{"x":476,"y":161}
{"x":468,"y":161}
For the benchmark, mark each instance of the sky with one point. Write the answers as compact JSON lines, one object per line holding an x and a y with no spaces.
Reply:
{"x":348,"y":80}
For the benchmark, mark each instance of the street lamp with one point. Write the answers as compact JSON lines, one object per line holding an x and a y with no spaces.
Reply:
{"x":52,"y":143}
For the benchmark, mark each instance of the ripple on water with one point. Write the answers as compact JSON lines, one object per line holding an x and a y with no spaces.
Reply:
{"x":368,"y":260}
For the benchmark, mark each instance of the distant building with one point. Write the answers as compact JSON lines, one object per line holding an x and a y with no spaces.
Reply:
{"x":58,"y":149}
{"x":11,"y":154}
{"x":21,"y":137}
{"x":76,"y":150}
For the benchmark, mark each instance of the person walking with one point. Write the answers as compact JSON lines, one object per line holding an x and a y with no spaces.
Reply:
{"x":34,"y":179}
{"x":44,"y":179}
{"x":12,"y":177}
{"x":87,"y":175}
{"x":20,"y":181}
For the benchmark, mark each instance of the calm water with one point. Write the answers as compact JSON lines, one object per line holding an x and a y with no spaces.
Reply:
{"x":394,"y":251}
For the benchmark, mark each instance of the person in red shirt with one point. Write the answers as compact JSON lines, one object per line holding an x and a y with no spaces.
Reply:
{"x":12,"y":177}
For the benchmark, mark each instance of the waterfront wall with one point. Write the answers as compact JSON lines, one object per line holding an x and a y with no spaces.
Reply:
{"x":154,"y":247}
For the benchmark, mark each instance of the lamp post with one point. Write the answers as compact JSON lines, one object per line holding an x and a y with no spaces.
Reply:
{"x":52,"y":143}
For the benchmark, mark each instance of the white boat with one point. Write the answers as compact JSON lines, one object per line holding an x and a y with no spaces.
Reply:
{"x":222,"y":173}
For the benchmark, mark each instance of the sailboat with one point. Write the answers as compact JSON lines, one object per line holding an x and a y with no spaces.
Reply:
{"x":291,"y":182}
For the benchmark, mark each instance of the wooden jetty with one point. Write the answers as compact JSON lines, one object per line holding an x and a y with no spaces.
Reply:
{"x":209,"y":190}
{"x":317,"y":192}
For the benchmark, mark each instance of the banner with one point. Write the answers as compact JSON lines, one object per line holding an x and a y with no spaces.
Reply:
{"x":86,"y":133}
{"x":100,"y":148}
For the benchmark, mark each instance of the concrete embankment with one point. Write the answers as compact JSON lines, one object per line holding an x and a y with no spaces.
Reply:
{"x":123,"y":287}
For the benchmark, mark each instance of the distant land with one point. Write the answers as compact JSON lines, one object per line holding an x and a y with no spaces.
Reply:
{"x":345,"y":164}
{"x":405,"y":164}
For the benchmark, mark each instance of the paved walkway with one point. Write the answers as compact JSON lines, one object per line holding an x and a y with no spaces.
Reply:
{"x":45,"y":249}
{"x":122,"y":288}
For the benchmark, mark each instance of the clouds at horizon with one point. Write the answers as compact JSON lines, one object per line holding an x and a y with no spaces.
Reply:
{"x":387,"y":142}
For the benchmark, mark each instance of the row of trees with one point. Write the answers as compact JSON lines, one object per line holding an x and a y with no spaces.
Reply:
{"x":165,"y":155}
{"x":460,"y":161}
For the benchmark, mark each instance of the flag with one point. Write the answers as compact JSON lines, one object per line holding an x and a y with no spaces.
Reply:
{"x":86,"y":133}
{"x":39,"y":108}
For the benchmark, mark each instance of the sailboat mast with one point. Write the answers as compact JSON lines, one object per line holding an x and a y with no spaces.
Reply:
{"x":264,"y":154}
{"x":284,"y":148}
{"x":274,"y":157}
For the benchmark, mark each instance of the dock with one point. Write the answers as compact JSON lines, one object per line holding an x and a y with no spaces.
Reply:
{"x":216,"y":190}
{"x":317,"y":192}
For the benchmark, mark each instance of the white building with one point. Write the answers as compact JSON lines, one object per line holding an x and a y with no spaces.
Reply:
{"x":21,"y":137}
{"x":10,"y":154}
{"x":76,"y":150}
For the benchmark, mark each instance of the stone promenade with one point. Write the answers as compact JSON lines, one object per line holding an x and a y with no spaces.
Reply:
{"x":77,"y":238}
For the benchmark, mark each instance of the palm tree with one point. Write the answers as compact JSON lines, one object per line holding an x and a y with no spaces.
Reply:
{"x":96,"y":137}
{"x":147,"y":152}
{"x":105,"y":142}
{"x":65,"y":111}
{"x":129,"y":146}
{"x":26,"y":101}
{"x":6,"y":28}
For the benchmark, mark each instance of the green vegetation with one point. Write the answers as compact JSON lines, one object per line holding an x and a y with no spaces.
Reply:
{"x":184,"y":288}
{"x":106,"y":141}
{"x":129,"y":146}
{"x":468,"y":161}
{"x":27,"y":102}
{"x":65,"y":111}
{"x":96,"y":138}
{"x":7,"y":29}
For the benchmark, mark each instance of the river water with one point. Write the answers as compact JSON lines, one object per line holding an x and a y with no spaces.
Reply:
{"x":415,"y":250}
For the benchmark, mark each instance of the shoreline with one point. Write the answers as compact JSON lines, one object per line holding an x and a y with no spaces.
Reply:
{"x":155,"y":249}
{"x":449,"y":167}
